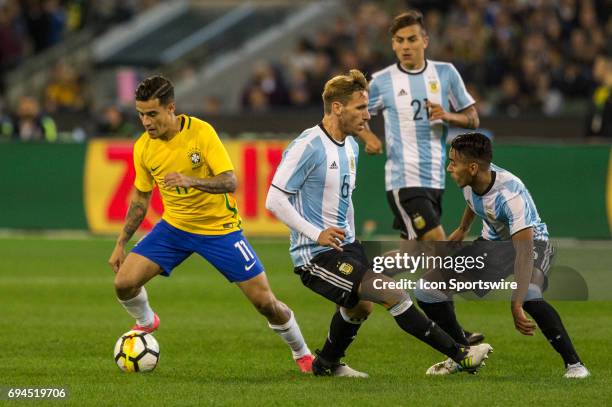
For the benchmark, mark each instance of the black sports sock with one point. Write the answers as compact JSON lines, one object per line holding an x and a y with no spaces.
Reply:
{"x":421,"y":327}
{"x":341,"y":335}
{"x":552,"y":327}
{"x":443,"y":314}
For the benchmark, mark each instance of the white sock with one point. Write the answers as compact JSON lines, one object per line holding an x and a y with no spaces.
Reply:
{"x":139,"y":308}
{"x":291,"y":334}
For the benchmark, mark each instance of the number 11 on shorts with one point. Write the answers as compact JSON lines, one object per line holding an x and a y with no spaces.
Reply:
{"x":244,"y":249}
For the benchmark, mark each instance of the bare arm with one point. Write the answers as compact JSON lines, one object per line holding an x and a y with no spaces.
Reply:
{"x":219,"y":184}
{"x":523,"y":263}
{"x":467,"y":219}
{"x":523,"y":268}
{"x":464,"y":227}
{"x":135,"y":215}
{"x":373,"y":145}
{"x":466,"y":118}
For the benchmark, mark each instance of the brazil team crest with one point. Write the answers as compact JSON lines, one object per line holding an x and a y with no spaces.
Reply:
{"x":195,"y":156}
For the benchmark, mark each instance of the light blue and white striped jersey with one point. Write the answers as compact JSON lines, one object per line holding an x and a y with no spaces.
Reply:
{"x":506,"y":208}
{"x":319,"y":173}
{"x":416,"y":147}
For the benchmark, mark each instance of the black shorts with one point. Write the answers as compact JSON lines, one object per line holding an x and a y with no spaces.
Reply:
{"x":336,"y":275}
{"x":500,"y":261}
{"x":416,"y":210}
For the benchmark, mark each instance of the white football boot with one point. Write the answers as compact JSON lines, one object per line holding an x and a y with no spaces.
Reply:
{"x":443,"y":368}
{"x":343,"y":370}
{"x":473,"y":361}
{"x":576,"y":371}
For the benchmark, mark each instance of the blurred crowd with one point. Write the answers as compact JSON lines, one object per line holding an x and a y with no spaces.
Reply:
{"x":516,"y":57}
{"x":29,"y":27}
{"x":31,"y":120}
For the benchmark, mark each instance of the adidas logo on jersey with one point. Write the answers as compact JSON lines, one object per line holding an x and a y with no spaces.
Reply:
{"x":333,"y":166}
{"x":402,"y":93}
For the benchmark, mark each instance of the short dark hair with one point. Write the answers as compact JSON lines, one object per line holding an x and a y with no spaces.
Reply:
{"x":410,"y":17}
{"x":476,"y":146}
{"x":340,"y":88}
{"x":155,"y":87}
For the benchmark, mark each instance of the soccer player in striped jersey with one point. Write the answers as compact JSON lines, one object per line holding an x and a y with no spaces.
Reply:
{"x":311,"y":193}
{"x":415,"y":96}
{"x":185,"y":158}
{"x":508,"y":213}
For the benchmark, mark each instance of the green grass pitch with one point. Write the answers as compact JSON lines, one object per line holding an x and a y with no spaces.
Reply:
{"x":59,"y":320}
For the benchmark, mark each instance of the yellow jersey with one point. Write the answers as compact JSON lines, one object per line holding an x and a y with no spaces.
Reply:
{"x":195,"y":151}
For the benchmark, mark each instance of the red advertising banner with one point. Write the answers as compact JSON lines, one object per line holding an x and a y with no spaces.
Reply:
{"x":109,"y":177}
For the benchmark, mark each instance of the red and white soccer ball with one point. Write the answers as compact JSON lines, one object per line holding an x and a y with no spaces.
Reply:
{"x":136,"y":351}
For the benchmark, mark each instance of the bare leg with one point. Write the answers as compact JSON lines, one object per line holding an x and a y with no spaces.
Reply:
{"x":435,"y":234}
{"x":133,"y":274}
{"x":258,"y":291}
{"x":280,"y":318}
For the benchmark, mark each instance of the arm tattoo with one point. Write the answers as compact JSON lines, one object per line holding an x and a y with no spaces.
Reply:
{"x":219,"y":184}
{"x":135,"y":216}
{"x":472,"y":119}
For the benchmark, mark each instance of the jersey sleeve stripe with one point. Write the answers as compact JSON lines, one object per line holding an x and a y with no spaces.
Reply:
{"x":297,"y":158}
{"x":232,"y":209}
{"x":282,"y":190}
{"x":520,"y":230}
{"x":459,"y":95}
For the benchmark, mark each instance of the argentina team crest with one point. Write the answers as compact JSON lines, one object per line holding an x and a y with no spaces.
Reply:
{"x":195,"y":156}
{"x":418,"y":221}
{"x":346,"y":268}
{"x":434,"y":86}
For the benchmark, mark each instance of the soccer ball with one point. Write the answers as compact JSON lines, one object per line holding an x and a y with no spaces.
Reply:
{"x":136,"y":351}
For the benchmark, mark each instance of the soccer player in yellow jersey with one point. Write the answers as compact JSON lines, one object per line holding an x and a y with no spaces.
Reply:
{"x":185,"y":158}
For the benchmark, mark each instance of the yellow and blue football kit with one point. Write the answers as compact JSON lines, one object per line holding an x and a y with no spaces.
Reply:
{"x":195,"y":151}
{"x":193,"y":220}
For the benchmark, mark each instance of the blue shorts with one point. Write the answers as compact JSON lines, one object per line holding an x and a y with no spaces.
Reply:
{"x":231,"y":254}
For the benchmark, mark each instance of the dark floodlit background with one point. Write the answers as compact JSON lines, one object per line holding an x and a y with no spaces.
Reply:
{"x":541,"y":74}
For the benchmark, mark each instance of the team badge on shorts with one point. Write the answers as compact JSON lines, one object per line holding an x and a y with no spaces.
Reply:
{"x":345,"y":268}
{"x":195,"y":156}
{"x":418,"y":221}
